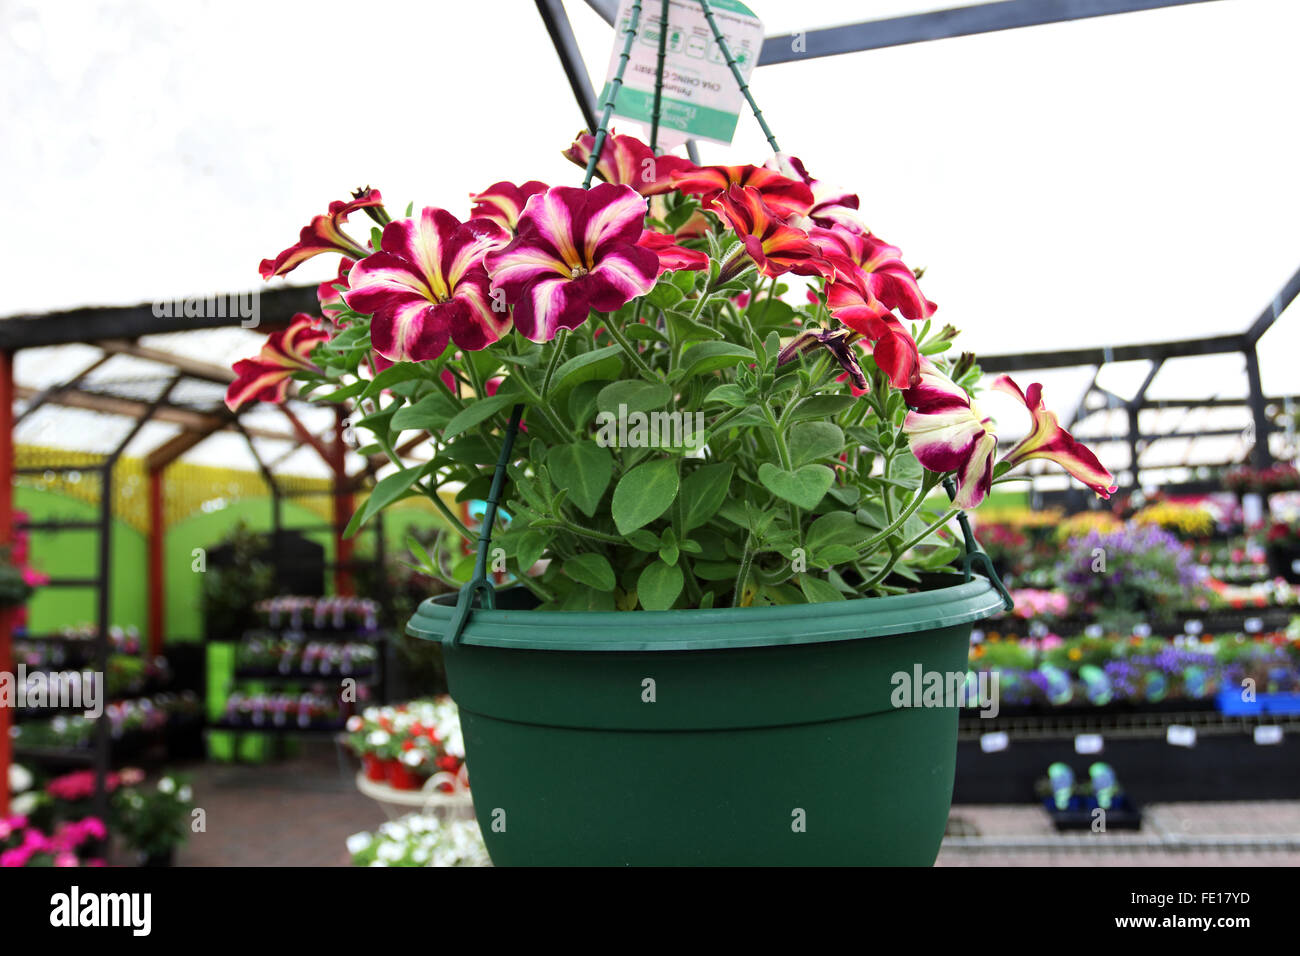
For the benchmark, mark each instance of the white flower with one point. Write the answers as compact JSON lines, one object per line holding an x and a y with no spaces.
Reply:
{"x":371,"y":713}
{"x":390,"y":852}
{"x":166,"y":785}
{"x":20,"y":778}
{"x":354,"y":723}
{"x":23,"y":804}
{"x":358,"y":842}
{"x":185,"y":794}
{"x":378,"y":738}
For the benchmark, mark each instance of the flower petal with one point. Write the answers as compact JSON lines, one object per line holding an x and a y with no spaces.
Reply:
{"x":1047,"y":439}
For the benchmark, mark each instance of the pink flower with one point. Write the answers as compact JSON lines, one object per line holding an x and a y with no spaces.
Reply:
{"x":1047,"y":439}
{"x":782,"y":195}
{"x":324,"y":234}
{"x":831,"y":206}
{"x":672,"y":256}
{"x":266,"y":378}
{"x":427,"y":287}
{"x":948,"y":434}
{"x":576,"y":250}
{"x":871,"y":278}
{"x":504,"y":202}
{"x":625,"y":160}
{"x":774,"y":245}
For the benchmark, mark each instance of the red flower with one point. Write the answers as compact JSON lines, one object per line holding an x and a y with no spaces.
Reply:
{"x":672,"y":256}
{"x":324,"y":234}
{"x":784,"y":196}
{"x":266,"y":378}
{"x":773,"y":244}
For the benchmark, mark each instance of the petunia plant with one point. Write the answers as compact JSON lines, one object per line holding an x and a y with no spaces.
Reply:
{"x":732,"y":392}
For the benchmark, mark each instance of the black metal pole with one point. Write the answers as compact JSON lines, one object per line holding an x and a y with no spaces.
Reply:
{"x":1260,"y":456}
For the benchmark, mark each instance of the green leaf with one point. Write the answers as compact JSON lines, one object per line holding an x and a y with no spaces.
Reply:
{"x":393,"y":375}
{"x":732,"y":395}
{"x":384,"y":493}
{"x":817,"y":591}
{"x":644,"y":493}
{"x":711,"y":356}
{"x":584,"y":469}
{"x":809,"y":441}
{"x":804,"y":487}
{"x":703,"y":492}
{"x":940,"y":557}
{"x":821,"y":406}
{"x":643,"y":540}
{"x":478,"y":410}
{"x":582,"y":403}
{"x":664,"y":295}
{"x":430,"y":413}
{"x":634,"y":395}
{"x":529,"y":549}
{"x":835,"y":528}
{"x":715,"y":570}
{"x":590,"y":569}
{"x":605,"y":363}
{"x":659,"y":585}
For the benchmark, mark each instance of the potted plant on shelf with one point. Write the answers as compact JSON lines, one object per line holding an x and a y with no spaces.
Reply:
{"x":154,"y":822}
{"x":729,"y":532}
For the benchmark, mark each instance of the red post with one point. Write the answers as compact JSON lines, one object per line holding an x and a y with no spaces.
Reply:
{"x":157,"y":583}
{"x":342,"y":506}
{"x":6,"y":531}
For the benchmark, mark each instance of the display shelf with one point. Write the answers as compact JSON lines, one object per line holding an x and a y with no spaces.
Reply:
{"x":1135,"y":724}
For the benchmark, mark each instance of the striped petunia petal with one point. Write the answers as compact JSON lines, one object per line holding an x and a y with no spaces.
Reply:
{"x":948,"y":435}
{"x":773,"y":244}
{"x":324,"y":234}
{"x":1047,"y":439}
{"x":266,"y":378}
{"x":503,"y":202}
{"x":625,"y":160}
{"x":783,"y":195}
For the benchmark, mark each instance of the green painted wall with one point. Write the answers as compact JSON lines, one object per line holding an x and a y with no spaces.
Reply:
{"x":73,"y":554}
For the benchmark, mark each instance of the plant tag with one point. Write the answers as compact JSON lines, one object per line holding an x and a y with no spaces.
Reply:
{"x":1268,"y":734}
{"x":992,"y":742}
{"x":1193,"y":627}
{"x":1253,"y":625}
{"x":1178,"y":735}
{"x":700,"y":98}
{"x":1142,"y":630}
{"x":1088,"y":744}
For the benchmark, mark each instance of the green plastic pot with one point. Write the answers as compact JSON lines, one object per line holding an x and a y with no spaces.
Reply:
{"x":736,"y":736}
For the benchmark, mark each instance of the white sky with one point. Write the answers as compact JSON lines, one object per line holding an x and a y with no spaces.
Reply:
{"x":1115,"y":180}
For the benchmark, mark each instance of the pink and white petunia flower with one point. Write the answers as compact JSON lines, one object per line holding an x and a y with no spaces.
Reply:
{"x":832,"y":206}
{"x":947,"y":433}
{"x":672,"y":256}
{"x":427,"y":287}
{"x":774,"y":245}
{"x":876,"y":280}
{"x":324,"y":234}
{"x":503,"y":202}
{"x":576,"y":250}
{"x":1047,"y":439}
{"x":328,"y":295}
{"x":266,"y":377}
{"x":625,"y":160}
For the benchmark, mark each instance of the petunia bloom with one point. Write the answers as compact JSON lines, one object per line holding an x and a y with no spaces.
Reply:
{"x":773,"y":244}
{"x":625,"y":160}
{"x":1047,"y":439}
{"x":576,"y":250}
{"x":328,"y":295}
{"x":427,"y":286}
{"x":947,"y":433}
{"x":503,"y":202}
{"x":783,"y":195}
{"x":877,"y":281}
{"x":839,"y":342}
{"x":324,"y":234}
{"x":672,"y":256}
{"x":831,"y":206}
{"x":266,"y":377}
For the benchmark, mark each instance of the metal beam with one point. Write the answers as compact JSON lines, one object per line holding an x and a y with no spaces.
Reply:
{"x":1068,"y":358}
{"x":1260,"y":457}
{"x":566,"y":45}
{"x":943,"y":24}
{"x":276,"y":308}
{"x":1274,"y":309}
{"x":41,"y":398}
{"x":194,"y":368}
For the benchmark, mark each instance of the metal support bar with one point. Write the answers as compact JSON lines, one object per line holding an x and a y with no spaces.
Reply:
{"x":1260,"y":456}
{"x":557,"y":25}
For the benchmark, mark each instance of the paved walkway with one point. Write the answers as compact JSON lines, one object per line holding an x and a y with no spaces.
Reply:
{"x":299,"y":812}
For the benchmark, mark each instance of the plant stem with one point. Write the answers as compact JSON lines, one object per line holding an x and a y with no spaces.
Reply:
{"x":742,"y":576}
{"x":557,"y":353}
{"x":911,"y":543}
{"x":927,"y":486}
{"x":617,"y":335}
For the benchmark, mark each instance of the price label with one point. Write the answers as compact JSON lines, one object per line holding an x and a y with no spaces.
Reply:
{"x":1092,"y":630}
{"x":1268,"y":734}
{"x":1178,"y":735}
{"x":997,"y":740}
{"x":1193,"y":627}
{"x":1253,"y":625}
{"x":1142,"y":630}
{"x":976,"y":636}
{"x":700,"y":96}
{"x":1088,"y":744}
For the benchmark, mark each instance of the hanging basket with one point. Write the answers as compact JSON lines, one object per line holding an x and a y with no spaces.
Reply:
{"x":737,"y":736}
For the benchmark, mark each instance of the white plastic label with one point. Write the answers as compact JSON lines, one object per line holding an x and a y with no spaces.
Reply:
{"x":1267,"y":734}
{"x":991,"y":743}
{"x":1253,"y":625}
{"x":1193,"y":627}
{"x":1088,"y":744}
{"x":700,"y":98}
{"x":1180,"y":736}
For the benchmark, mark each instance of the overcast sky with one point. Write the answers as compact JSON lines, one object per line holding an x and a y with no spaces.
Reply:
{"x":1115,"y":180}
